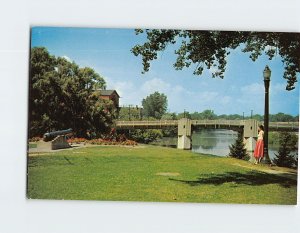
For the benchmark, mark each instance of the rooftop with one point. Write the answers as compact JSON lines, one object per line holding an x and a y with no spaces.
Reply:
{"x":108,"y":92}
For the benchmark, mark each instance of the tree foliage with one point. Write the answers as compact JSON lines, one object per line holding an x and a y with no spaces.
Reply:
{"x":130,"y":113}
{"x":287,"y":152}
{"x":238,"y":150}
{"x":155,"y":105}
{"x":146,"y":135}
{"x":62,"y":95}
{"x":209,"y":49}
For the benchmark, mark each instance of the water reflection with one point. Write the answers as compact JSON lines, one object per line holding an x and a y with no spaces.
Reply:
{"x":211,"y":141}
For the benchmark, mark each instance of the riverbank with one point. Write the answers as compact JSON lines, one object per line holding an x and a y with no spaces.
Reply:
{"x":149,"y":173}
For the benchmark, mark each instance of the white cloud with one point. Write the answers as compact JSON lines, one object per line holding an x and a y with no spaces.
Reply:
{"x":278,"y":87}
{"x":155,"y":84}
{"x":225,"y":100}
{"x":179,"y":98}
{"x":253,"y":89}
{"x":251,"y":97}
{"x":67,"y":58}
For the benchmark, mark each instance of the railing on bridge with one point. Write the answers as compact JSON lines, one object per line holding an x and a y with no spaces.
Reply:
{"x":218,"y":122}
{"x":283,"y":125}
{"x":146,"y":124}
{"x":206,"y":123}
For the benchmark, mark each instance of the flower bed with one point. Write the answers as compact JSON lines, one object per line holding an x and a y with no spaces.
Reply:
{"x":76,"y":140}
{"x":34,"y":139}
{"x":101,"y":141}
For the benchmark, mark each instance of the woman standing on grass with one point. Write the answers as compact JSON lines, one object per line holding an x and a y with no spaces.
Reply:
{"x":259,"y":148}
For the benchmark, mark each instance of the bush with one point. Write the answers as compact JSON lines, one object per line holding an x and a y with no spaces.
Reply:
{"x":146,"y":136}
{"x":100,"y":141}
{"x":238,"y":150}
{"x":287,"y":152}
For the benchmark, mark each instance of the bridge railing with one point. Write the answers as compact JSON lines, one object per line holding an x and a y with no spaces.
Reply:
{"x":283,"y":125}
{"x":219,"y":122}
{"x":135,"y":124}
{"x":227,"y":123}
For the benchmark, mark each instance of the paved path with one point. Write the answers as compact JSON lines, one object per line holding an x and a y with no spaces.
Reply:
{"x":45,"y":147}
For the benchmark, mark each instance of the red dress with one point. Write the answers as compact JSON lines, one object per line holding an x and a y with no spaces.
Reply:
{"x":259,"y":147}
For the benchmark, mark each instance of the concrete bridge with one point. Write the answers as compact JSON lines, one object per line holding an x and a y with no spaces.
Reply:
{"x":185,"y":127}
{"x":224,"y":124}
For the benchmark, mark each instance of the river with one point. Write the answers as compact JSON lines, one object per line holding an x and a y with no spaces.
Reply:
{"x":211,"y":141}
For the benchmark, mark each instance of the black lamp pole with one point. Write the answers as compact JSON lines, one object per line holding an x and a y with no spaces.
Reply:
{"x":267,"y":76}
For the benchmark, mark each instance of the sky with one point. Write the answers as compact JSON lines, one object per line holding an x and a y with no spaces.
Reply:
{"x":107,"y":51}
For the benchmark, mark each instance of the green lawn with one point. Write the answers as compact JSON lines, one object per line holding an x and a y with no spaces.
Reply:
{"x":155,"y":174}
{"x":32,"y":145}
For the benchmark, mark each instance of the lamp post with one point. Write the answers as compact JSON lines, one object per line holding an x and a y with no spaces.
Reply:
{"x":267,"y":75}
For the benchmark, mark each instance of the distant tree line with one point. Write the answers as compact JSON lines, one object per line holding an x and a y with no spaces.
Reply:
{"x":62,"y":95}
{"x":138,"y":113}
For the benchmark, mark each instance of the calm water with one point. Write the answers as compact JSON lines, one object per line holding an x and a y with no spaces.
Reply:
{"x":215,"y":142}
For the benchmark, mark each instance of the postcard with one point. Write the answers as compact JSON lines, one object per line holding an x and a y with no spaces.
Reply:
{"x":162,"y":115}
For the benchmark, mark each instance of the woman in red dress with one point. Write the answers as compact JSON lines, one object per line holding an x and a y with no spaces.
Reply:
{"x":259,"y":148}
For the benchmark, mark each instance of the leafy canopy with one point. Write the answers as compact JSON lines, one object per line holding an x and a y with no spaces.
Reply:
{"x":63,"y":95}
{"x":209,"y":49}
{"x":155,"y":105}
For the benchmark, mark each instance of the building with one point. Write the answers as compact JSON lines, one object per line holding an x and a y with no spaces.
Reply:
{"x":110,"y":95}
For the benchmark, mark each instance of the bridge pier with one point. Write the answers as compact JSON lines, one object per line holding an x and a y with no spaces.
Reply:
{"x":250,"y":136}
{"x":184,"y":134}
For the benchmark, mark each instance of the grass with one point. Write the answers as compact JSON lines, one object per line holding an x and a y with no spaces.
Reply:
{"x":32,"y":145}
{"x":155,"y":174}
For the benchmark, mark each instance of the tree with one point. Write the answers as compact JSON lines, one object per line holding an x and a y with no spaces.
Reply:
{"x":62,"y":95}
{"x":238,"y":150}
{"x":281,"y":117}
{"x":286,"y":156}
{"x":146,"y":135}
{"x":169,"y":116}
{"x":209,"y":49}
{"x":205,"y":115}
{"x":171,"y":131}
{"x":130,"y":113}
{"x":184,"y":114}
{"x":155,"y":105}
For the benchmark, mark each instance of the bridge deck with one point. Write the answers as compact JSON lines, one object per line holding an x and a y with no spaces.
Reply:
{"x":146,"y":124}
{"x":273,"y":126}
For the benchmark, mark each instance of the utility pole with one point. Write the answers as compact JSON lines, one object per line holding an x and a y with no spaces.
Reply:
{"x":129,"y":112}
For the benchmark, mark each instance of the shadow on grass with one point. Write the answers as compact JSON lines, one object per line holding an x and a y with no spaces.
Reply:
{"x":250,"y":178}
{"x":68,"y":160}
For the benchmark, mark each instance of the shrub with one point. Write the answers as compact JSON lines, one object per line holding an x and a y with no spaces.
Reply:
{"x":238,"y":150}
{"x":100,"y":141}
{"x":287,"y":152}
{"x":146,"y":136}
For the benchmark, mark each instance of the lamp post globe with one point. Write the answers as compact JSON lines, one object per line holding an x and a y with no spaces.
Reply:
{"x":267,"y":79}
{"x":267,"y":73}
